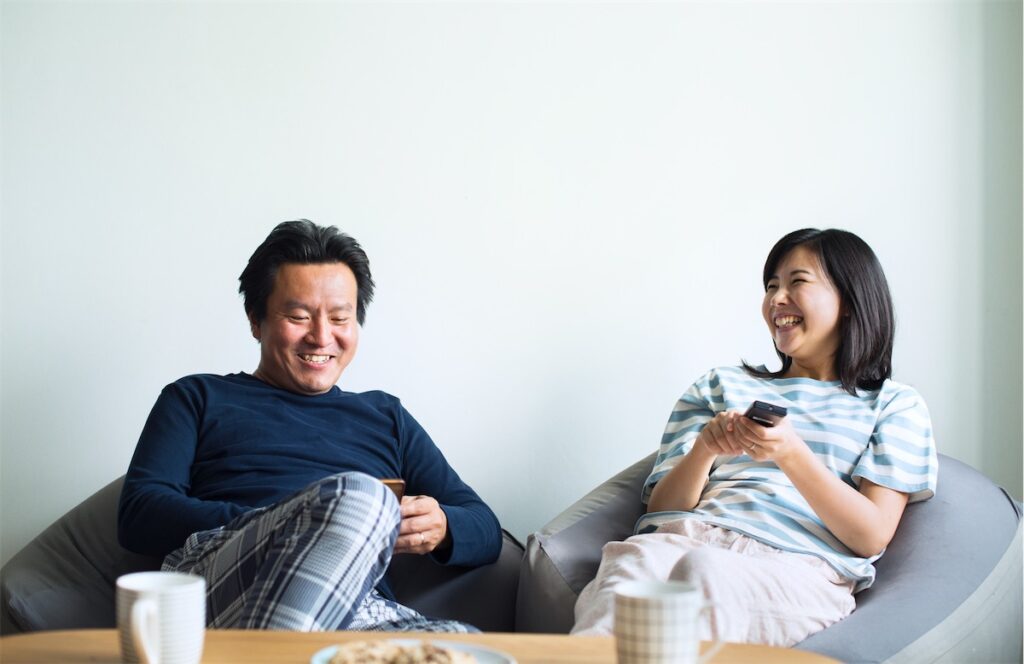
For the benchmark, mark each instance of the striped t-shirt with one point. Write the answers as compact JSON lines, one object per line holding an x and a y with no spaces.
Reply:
{"x":884,"y":436}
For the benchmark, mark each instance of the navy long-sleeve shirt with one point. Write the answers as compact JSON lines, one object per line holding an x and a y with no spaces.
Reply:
{"x":215,"y":447}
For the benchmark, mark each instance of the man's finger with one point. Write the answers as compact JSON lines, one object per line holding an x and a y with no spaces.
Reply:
{"x":416,"y":506}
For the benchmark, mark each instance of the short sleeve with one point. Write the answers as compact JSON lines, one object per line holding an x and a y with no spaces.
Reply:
{"x":689,"y":416}
{"x":901,"y":453}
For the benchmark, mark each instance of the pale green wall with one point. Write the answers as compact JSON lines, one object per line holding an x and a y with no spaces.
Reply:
{"x":567,"y":207}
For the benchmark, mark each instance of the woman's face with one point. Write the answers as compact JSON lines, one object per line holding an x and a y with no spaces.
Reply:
{"x":802,"y":309}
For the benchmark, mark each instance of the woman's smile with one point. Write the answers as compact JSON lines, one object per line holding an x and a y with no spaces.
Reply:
{"x":802,"y":309}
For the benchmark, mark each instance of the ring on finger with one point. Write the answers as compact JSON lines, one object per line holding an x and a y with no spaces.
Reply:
{"x":423,"y":539}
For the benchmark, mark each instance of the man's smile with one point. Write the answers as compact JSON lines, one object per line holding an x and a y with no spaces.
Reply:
{"x":315,"y":359}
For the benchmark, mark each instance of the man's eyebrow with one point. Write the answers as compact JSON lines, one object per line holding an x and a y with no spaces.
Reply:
{"x":299,"y":304}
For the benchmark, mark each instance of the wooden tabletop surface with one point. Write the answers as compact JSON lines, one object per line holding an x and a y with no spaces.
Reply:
{"x":240,"y":646}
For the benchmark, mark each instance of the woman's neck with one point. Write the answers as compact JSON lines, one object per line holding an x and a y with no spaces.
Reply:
{"x":825,"y":371}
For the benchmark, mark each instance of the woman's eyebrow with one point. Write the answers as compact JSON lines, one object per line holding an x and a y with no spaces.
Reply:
{"x":799,"y":270}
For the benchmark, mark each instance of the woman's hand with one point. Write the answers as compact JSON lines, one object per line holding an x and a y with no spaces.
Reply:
{"x":719,"y":435}
{"x":763,"y":443}
{"x":424,"y":525}
{"x":681,"y":488}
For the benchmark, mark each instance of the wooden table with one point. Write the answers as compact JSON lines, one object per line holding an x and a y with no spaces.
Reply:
{"x":230,"y":646}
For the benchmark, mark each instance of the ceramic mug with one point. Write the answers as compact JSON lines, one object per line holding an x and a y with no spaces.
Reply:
{"x":657,"y":622}
{"x":161,"y":617}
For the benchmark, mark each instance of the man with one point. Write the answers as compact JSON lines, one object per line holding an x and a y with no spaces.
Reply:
{"x":268,"y":484}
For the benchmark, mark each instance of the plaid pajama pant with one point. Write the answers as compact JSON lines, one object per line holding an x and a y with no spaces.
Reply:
{"x":308,"y":563}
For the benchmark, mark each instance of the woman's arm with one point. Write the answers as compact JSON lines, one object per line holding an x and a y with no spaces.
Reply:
{"x":681,"y":488}
{"x":865,"y":520}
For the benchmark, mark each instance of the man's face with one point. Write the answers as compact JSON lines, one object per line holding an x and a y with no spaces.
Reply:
{"x":310,"y":333}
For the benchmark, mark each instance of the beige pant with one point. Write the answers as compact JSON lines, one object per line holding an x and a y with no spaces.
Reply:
{"x":760,"y":594}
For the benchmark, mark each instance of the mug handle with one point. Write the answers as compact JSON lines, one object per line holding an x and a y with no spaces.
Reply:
{"x":717,"y":644}
{"x":145,"y":631}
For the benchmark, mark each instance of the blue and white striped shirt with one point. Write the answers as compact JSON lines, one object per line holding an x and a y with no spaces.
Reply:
{"x":884,"y":436}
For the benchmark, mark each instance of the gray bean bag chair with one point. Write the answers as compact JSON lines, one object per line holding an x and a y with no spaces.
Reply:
{"x":948,"y":588}
{"x":64,"y":578}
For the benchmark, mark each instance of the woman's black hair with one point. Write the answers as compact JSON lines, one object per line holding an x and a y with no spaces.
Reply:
{"x":304,"y":243}
{"x":868,"y":324}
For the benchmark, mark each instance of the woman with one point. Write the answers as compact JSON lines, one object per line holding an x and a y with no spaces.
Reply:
{"x":779,"y":525}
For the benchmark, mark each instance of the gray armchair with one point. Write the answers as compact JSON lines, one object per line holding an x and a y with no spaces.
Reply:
{"x":948,"y":588}
{"x":64,"y":578}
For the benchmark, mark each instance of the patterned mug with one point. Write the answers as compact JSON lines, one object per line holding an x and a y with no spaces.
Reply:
{"x":656,"y":622}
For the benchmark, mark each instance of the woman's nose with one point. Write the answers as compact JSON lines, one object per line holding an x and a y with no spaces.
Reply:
{"x":780,"y":296}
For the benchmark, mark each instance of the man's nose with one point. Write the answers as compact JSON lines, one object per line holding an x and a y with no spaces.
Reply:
{"x":319,"y":332}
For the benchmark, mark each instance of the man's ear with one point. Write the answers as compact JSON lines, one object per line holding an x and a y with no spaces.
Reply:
{"x":254,"y":327}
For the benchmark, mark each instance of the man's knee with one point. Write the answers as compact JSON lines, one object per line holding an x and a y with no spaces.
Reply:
{"x":350,"y":482}
{"x":344,"y":493}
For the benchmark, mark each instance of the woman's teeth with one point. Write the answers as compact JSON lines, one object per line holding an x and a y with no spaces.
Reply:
{"x":787,"y":321}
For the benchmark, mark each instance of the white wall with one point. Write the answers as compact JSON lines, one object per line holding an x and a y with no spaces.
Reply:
{"x":567,"y":208}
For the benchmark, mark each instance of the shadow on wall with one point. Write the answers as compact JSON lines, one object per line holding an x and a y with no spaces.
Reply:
{"x":1001,"y":210}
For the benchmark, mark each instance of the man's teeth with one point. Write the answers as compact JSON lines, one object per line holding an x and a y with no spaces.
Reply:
{"x":319,"y":359}
{"x":787,"y":321}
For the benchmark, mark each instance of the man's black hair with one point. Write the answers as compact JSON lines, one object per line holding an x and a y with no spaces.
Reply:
{"x":868,"y":324}
{"x":304,"y":243}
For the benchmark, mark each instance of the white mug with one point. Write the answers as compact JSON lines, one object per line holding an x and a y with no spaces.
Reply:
{"x":161,"y":617}
{"x":656,"y":622}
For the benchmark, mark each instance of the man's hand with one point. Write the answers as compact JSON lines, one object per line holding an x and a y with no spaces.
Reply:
{"x":424,"y":526}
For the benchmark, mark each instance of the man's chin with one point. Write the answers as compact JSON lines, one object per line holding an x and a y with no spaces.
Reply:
{"x":314,"y":387}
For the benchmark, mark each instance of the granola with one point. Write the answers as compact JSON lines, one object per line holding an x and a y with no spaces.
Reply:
{"x":389,"y":652}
